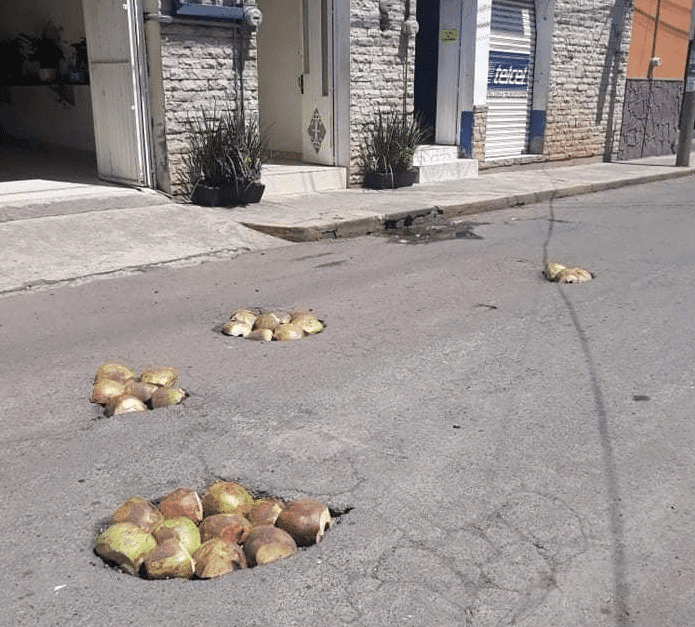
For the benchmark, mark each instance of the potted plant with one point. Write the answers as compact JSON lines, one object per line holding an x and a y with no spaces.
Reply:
{"x":224,"y":158}
{"x":204,"y":159}
{"x":244,"y":159}
{"x":46,"y":49}
{"x":13,"y":54}
{"x":387,"y":155}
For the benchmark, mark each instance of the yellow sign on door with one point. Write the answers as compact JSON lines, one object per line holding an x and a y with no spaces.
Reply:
{"x":448,"y":35}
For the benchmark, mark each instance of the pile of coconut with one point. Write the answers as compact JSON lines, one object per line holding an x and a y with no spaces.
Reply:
{"x":256,"y":324}
{"x":558,"y":273}
{"x":120,"y":390}
{"x":184,"y":536}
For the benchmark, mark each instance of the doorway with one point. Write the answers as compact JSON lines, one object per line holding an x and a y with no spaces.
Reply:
{"x":426,"y":61}
{"x":296,"y":80}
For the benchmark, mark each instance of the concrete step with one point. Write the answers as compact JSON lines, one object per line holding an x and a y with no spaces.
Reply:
{"x":442,"y":163}
{"x":300,"y":178}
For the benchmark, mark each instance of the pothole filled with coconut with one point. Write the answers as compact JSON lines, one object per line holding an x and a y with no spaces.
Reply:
{"x":119,"y":390}
{"x":557,"y":273}
{"x":268,"y":326}
{"x":185,"y":537}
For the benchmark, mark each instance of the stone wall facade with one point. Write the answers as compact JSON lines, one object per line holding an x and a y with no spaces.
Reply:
{"x":208,"y":66}
{"x":650,"y":118}
{"x":588,"y":71}
{"x":381,"y":67}
{"x":479,"y":124}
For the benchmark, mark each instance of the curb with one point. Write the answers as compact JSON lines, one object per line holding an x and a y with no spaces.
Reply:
{"x":379,"y":222}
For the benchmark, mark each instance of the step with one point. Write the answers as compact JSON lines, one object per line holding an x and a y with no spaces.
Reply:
{"x":442,"y":163}
{"x":299,"y":178}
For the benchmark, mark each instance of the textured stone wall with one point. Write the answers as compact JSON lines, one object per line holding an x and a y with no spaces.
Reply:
{"x":377,"y":61}
{"x":587,"y":78}
{"x":479,"y":125}
{"x":203,"y":65}
{"x":650,"y":118}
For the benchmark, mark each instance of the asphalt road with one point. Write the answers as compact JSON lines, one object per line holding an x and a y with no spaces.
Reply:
{"x":503,"y":450}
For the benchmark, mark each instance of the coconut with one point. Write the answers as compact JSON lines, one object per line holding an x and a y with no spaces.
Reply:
{"x":245,"y":316}
{"x":115,"y":371}
{"x":267,"y":320}
{"x":164,"y":397}
{"x":182,"y":502}
{"x":236,"y":328}
{"x":266,"y":544}
{"x":307,"y":322}
{"x":305,"y":520}
{"x":138,"y":511}
{"x":106,"y":389}
{"x":289,"y":331}
{"x":283,"y":316}
{"x":264,"y":512}
{"x":224,"y":497}
{"x":217,"y":557}
{"x":181,"y":528}
{"x":125,"y":544}
{"x":140,"y":389}
{"x":552,"y":269}
{"x":229,"y":527}
{"x":124,"y":404}
{"x":263,"y":335}
{"x":165,"y":376}
{"x":573,"y":275}
{"x":169,"y":559}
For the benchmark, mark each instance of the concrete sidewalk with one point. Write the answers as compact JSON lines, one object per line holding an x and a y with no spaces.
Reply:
{"x":52,"y":233}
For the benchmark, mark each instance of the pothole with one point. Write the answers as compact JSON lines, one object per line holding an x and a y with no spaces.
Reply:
{"x":267,"y":326}
{"x":119,"y":390}
{"x":184,"y":536}
{"x":428,"y":229}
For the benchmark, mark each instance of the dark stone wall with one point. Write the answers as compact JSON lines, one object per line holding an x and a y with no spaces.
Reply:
{"x":650,"y":118}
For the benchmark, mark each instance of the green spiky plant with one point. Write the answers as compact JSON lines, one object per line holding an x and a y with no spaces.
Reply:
{"x":224,"y":149}
{"x":390,"y":142}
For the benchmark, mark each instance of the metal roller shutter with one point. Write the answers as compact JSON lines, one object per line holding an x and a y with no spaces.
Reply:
{"x":510,"y":77}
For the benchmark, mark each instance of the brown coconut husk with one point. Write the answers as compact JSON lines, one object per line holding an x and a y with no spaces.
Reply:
{"x":182,"y":502}
{"x":236,"y":328}
{"x":229,"y":527}
{"x":287,"y":332}
{"x":245,"y":316}
{"x":225,"y":497}
{"x":114,"y":371}
{"x":266,"y":544}
{"x":125,"y":544}
{"x":164,"y":397}
{"x":106,"y":389}
{"x":141,"y":390}
{"x":124,"y":404}
{"x":139,"y":511}
{"x":305,"y":520}
{"x":260,"y":335}
{"x":165,"y":376}
{"x":181,"y":528}
{"x":169,"y":560}
{"x":217,"y":557}
{"x":308,"y":322}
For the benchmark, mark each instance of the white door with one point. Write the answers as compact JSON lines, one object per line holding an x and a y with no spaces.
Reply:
{"x":115,"y":45}
{"x":448,"y":71}
{"x":316,"y":82}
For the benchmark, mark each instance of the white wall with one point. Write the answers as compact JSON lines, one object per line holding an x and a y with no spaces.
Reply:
{"x":35,"y":114}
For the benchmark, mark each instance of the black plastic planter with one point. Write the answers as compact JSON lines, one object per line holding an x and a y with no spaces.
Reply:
{"x":389,"y":180}
{"x":206,"y":195}
{"x":249,"y":195}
